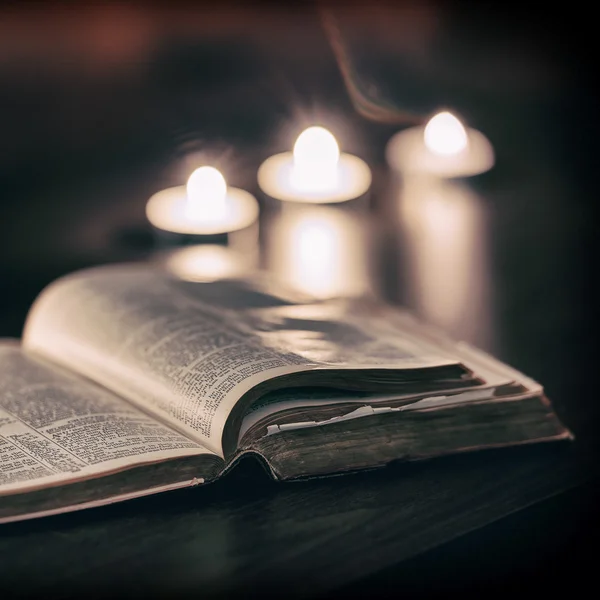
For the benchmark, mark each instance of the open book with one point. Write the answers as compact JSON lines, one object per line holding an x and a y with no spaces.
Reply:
{"x":129,"y":382}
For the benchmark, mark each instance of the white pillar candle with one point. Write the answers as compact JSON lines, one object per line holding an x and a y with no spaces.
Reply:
{"x":443,"y":244}
{"x":204,"y":210}
{"x":315,"y":172}
{"x":444,"y":148}
{"x":321,"y":251}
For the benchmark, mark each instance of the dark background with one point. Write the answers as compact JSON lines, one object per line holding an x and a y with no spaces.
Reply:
{"x":100,"y":104}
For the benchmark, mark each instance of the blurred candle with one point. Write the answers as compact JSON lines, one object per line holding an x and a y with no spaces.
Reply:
{"x":444,"y":148}
{"x":320,"y":251}
{"x":205,"y":210}
{"x":316,"y":172}
{"x":443,"y":244}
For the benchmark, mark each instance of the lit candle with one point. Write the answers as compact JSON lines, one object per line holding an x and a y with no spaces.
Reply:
{"x":205,"y":210}
{"x":443,"y":148}
{"x":316,"y":172}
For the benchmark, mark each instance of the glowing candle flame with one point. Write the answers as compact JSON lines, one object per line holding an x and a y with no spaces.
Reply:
{"x":206,"y":194}
{"x":316,"y":156}
{"x":444,"y":134}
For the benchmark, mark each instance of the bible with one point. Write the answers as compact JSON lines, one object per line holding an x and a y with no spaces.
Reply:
{"x":130,"y":382}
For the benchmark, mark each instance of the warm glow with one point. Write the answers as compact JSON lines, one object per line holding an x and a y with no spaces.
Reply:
{"x":319,"y":251}
{"x":205,"y":263}
{"x":444,"y":134}
{"x":316,"y":156}
{"x":316,"y":145}
{"x":317,"y":256}
{"x":206,"y":194}
{"x":317,"y":244}
{"x":447,"y":257}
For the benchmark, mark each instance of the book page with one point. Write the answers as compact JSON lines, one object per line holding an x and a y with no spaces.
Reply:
{"x":278,"y":402}
{"x":57,"y":428}
{"x":136,"y":331}
{"x":188,"y":351}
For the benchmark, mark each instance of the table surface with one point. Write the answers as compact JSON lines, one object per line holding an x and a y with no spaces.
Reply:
{"x":92,"y":127}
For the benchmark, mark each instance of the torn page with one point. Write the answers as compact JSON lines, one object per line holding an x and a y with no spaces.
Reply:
{"x":368,"y":410}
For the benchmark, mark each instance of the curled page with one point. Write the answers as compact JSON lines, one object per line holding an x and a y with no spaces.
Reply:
{"x":188,"y":352}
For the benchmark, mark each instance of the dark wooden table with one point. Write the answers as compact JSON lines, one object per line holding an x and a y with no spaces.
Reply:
{"x":93,"y":125}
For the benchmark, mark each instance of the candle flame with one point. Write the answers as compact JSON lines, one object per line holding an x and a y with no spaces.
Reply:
{"x":206,"y":194}
{"x":316,"y":156}
{"x":444,"y":134}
